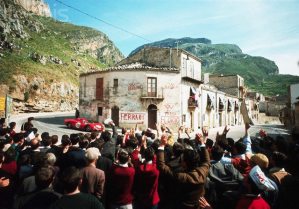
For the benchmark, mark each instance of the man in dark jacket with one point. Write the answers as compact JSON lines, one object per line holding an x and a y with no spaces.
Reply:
{"x":109,"y":142}
{"x":193,"y":178}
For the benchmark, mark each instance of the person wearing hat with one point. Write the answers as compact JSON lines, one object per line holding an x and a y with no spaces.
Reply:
{"x":93,"y":179}
{"x":258,"y":183}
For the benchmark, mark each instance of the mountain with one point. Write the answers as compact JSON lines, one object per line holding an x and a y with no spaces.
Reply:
{"x":260,"y":74}
{"x":41,"y":58}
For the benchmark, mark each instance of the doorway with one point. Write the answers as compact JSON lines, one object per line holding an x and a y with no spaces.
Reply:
{"x":152,"y":116}
{"x":115,"y":115}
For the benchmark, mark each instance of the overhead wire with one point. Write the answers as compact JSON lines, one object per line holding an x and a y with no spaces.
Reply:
{"x":103,"y":21}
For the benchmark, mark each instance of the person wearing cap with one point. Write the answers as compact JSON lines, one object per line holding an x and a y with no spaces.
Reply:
{"x":258,"y":183}
{"x":93,"y":179}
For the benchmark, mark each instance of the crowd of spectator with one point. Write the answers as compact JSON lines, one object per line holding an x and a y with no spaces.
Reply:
{"x":146,"y":170}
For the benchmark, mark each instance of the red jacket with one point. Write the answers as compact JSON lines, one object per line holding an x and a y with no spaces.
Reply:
{"x":243,"y":166}
{"x":120,"y":185}
{"x":135,"y":158}
{"x":10,"y":167}
{"x":146,"y":185}
{"x":254,"y":202}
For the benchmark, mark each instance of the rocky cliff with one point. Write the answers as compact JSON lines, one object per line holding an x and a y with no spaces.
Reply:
{"x":38,"y":7}
{"x":41,"y":58}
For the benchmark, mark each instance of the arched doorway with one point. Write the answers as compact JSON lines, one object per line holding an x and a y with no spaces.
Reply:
{"x":152,"y":116}
{"x":115,"y":115}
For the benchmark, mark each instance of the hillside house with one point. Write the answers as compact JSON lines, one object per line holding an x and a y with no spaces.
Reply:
{"x":153,"y":85}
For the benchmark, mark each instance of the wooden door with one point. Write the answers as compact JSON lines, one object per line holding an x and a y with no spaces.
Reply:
{"x":115,"y":115}
{"x":152,"y":116}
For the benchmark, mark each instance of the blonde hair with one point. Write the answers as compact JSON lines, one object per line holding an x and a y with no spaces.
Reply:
{"x":170,"y":140}
{"x":260,"y":160}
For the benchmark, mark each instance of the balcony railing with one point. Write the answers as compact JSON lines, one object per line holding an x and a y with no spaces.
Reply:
{"x":152,"y":95}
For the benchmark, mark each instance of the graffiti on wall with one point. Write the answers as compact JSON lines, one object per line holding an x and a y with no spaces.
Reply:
{"x":170,"y":86}
{"x":170,"y":118}
{"x":170,"y":90}
{"x":134,"y":86}
{"x":169,"y":107}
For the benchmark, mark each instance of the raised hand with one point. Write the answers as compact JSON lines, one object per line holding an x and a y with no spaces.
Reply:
{"x":199,"y":138}
{"x":205,"y":132}
{"x":225,"y":131}
{"x":203,"y":203}
{"x":4,"y":182}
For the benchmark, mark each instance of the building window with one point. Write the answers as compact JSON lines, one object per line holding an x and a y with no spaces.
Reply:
{"x":100,"y":111}
{"x":99,"y":89}
{"x":115,"y":83}
{"x":151,"y":87}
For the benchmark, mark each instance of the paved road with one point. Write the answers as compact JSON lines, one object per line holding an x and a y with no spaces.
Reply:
{"x":236,"y":132}
{"x":47,"y":122}
{"x":53,"y":123}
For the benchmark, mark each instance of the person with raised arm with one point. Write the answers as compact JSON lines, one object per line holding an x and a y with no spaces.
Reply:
{"x":193,"y":177}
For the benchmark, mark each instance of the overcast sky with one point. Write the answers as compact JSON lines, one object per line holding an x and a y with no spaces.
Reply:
{"x":268,"y":28}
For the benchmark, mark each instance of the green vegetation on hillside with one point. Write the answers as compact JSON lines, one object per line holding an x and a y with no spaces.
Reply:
{"x":275,"y":84}
{"x":53,"y":39}
{"x":260,"y":74}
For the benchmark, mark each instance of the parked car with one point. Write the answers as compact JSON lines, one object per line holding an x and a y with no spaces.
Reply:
{"x":83,"y":124}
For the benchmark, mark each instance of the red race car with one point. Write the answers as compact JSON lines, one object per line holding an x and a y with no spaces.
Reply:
{"x":83,"y":124}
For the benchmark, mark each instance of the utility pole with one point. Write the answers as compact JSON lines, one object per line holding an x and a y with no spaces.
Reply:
{"x":177,"y":48}
{"x":170,"y":55}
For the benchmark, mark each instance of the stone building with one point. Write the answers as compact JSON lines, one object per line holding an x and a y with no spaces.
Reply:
{"x":153,"y":85}
{"x":233,"y":86}
{"x":208,"y":106}
{"x":289,"y":115}
{"x":161,"y":85}
{"x":218,"y":108}
{"x":293,"y":95}
{"x":230,"y":84}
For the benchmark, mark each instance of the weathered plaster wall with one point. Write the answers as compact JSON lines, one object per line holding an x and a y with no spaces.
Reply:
{"x":127,"y":96}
